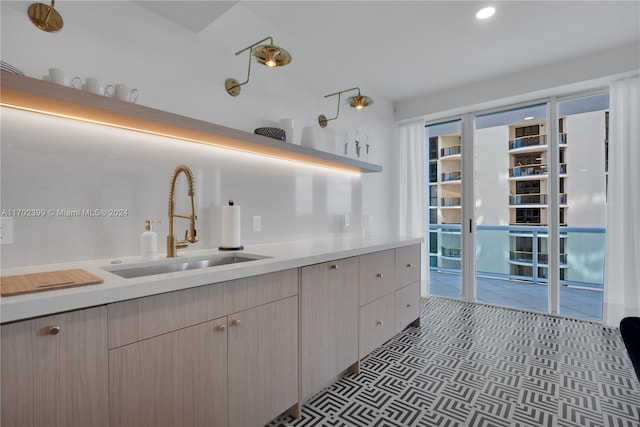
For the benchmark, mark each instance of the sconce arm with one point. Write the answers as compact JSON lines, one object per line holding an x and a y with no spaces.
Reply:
{"x":322,"y":120}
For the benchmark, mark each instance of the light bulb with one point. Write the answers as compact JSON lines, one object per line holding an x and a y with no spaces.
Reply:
{"x":485,"y":13}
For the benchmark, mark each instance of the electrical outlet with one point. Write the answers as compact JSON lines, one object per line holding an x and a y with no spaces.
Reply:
{"x":257,"y":223}
{"x":6,"y":231}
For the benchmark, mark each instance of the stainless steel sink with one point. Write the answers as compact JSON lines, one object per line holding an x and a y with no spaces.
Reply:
{"x":173,"y":265}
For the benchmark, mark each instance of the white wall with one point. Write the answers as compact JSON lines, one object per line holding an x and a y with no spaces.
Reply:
{"x":59,"y":164}
{"x":575,"y":74}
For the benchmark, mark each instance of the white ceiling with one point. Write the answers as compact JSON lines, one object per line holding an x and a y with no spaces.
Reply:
{"x":409,"y":49}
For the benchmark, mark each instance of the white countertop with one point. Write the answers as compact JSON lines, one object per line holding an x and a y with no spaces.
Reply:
{"x":282,"y":256}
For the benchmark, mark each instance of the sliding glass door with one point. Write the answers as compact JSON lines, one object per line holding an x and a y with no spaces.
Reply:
{"x":582,"y":155}
{"x":444,"y":210}
{"x":526,"y":227}
{"x":511,"y":207}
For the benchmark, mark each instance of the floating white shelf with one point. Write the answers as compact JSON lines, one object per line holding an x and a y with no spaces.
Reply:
{"x":30,"y":94}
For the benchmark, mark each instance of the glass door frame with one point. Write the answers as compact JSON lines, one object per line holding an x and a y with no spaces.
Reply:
{"x":468,"y":222}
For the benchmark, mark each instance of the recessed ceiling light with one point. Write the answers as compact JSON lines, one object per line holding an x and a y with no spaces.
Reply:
{"x":486,"y":12}
{"x":529,"y":118}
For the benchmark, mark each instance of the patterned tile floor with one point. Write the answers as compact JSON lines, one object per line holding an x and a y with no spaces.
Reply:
{"x":479,"y":365}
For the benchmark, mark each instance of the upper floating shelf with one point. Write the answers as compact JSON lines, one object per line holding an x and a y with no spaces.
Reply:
{"x":30,"y":94}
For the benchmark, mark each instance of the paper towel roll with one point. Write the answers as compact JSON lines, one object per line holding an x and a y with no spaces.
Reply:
{"x":231,"y":227}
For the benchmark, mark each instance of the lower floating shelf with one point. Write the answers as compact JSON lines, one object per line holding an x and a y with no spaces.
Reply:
{"x":30,"y":94}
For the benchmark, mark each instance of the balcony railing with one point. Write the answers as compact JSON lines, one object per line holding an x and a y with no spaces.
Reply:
{"x":451,"y":176}
{"x":532,"y":170}
{"x":527,"y":141}
{"x":450,"y":151}
{"x":494,"y":253}
{"x":528,"y":170}
{"x":451,"y":201}
{"x":450,"y":252}
{"x":527,"y":257}
{"x":534,"y":199}
{"x":528,"y":199}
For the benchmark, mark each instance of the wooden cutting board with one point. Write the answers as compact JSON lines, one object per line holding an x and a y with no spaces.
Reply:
{"x":50,"y":280}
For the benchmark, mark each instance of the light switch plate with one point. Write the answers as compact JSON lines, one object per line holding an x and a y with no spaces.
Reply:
{"x":6,"y":230}
{"x":257,"y":223}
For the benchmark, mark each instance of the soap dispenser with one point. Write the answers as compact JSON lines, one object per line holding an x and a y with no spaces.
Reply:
{"x":149,"y":241}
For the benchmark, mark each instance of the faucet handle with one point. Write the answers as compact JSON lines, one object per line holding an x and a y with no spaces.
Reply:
{"x":192,"y":239}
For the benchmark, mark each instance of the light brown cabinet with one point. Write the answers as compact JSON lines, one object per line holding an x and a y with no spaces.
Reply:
{"x":236,"y":353}
{"x":179,"y":378}
{"x":172,"y":363}
{"x":54,"y":370}
{"x":329,"y":322}
{"x":351,"y":306}
{"x":263,"y":362}
{"x":388,"y":305}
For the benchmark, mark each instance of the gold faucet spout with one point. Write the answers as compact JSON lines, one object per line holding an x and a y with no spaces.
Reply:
{"x":190,"y":236}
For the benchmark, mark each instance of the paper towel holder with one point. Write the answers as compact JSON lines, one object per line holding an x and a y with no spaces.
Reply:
{"x":231,"y":248}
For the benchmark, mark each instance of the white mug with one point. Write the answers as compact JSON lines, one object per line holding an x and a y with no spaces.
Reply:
{"x":123,"y":93}
{"x":287,"y":125}
{"x":92,"y":85}
{"x":58,"y":76}
{"x":307,"y":139}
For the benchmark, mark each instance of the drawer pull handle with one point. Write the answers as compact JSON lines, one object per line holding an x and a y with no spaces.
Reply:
{"x":409,"y":265}
{"x":221,"y":328}
{"x":408,"y":305}
{"x":235,"y":322}
{"x":379,"y":323}
{"x":53,"y":330}
{"x":379,"y":275}
{"x":334,"y":266}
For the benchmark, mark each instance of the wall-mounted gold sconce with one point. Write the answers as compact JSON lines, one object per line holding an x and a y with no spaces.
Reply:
{"x":268,"y":54}
{"x":45,"y":17}
{"x":359,"y":102}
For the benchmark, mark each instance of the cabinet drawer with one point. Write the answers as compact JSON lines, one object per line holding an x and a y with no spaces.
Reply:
{"x":377,"y":275}
{"x":142,"y":318}
{"x":407,"y":265}
{"x":407,"y":305}
{"x":377,"y":324}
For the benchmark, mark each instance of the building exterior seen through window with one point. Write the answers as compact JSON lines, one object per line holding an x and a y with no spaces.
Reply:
{"x":511,"y":187}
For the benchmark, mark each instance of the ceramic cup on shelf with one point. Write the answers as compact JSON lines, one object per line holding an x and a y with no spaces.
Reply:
{"x":58,"y":76}
{"x":287,"y":125}
{"x":92,"y":85}
{"x":123,"y":93}
{"x":307,"y":139}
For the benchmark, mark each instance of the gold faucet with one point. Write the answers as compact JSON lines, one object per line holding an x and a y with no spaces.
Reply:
{"x":189,"y":235}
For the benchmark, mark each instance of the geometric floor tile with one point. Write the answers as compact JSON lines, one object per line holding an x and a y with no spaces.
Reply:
{"x":479,"y":365}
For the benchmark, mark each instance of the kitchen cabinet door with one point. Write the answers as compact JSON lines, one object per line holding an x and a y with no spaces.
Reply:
{"x":329,"y":322}
{"x":175,"y":379}
{"x":377,"y":275}
{"x":54,"y":370}
{"x":263,"y":362}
